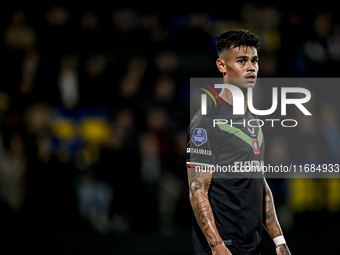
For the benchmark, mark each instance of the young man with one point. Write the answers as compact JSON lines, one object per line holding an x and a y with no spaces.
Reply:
{"x":230,"y":207}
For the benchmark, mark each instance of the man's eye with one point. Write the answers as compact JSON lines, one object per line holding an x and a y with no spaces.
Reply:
{"x":241,"y":61}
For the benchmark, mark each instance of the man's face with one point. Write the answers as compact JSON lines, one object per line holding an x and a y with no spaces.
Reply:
{"x":239,"y":66}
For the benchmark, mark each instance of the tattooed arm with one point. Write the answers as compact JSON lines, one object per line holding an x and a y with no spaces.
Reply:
{"x":199,"y":184}
{"x":270,"y":220}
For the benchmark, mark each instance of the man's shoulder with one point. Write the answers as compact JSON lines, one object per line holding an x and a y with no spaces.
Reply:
{"x":203,"y":122}
{"x":213,"y":112}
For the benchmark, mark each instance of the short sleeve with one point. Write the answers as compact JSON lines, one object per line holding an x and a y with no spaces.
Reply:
{"x":202,"y":144}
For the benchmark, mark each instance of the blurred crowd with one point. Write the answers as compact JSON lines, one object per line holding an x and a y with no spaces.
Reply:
{"x":94,"y":107}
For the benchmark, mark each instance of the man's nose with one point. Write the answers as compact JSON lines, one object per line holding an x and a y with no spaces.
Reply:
{"x":250,"y":67}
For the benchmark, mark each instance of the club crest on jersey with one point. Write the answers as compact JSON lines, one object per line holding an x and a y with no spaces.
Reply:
{"x":199,"y":136}
{"x":256,"y":147}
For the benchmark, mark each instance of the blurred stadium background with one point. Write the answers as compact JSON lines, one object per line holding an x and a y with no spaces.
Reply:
{"x":93,"y":115}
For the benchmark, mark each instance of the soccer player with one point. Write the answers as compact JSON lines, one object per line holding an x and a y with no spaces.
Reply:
{"x":230,"y":206}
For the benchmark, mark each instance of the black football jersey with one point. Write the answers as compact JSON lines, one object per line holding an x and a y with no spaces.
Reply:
{"x":232,"y":147}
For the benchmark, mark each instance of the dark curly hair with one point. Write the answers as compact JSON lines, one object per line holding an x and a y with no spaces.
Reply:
{"x":235,"y":38}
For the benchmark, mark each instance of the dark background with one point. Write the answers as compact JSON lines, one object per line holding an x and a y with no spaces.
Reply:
{"x":94,"y":106}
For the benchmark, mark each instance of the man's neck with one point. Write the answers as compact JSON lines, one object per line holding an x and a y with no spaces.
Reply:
{"x":227,"y":96}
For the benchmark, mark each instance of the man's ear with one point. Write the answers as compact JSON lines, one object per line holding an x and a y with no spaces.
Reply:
{"x":221,"y":66}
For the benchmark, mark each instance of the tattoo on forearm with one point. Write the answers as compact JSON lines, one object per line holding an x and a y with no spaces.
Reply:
{"x":214,"y":244}
{"x":199,"y":184}
{"x":270,"y":220}
{"x":195,"y":185}
{"x":269,"y":209}
{"x":269,"y":217}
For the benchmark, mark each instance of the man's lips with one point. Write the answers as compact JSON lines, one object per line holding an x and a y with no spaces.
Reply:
{"x":250,"y":77}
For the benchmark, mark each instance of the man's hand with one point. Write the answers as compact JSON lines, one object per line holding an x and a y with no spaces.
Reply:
{"x":220,"y":249}
{"x":282,"y":249}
